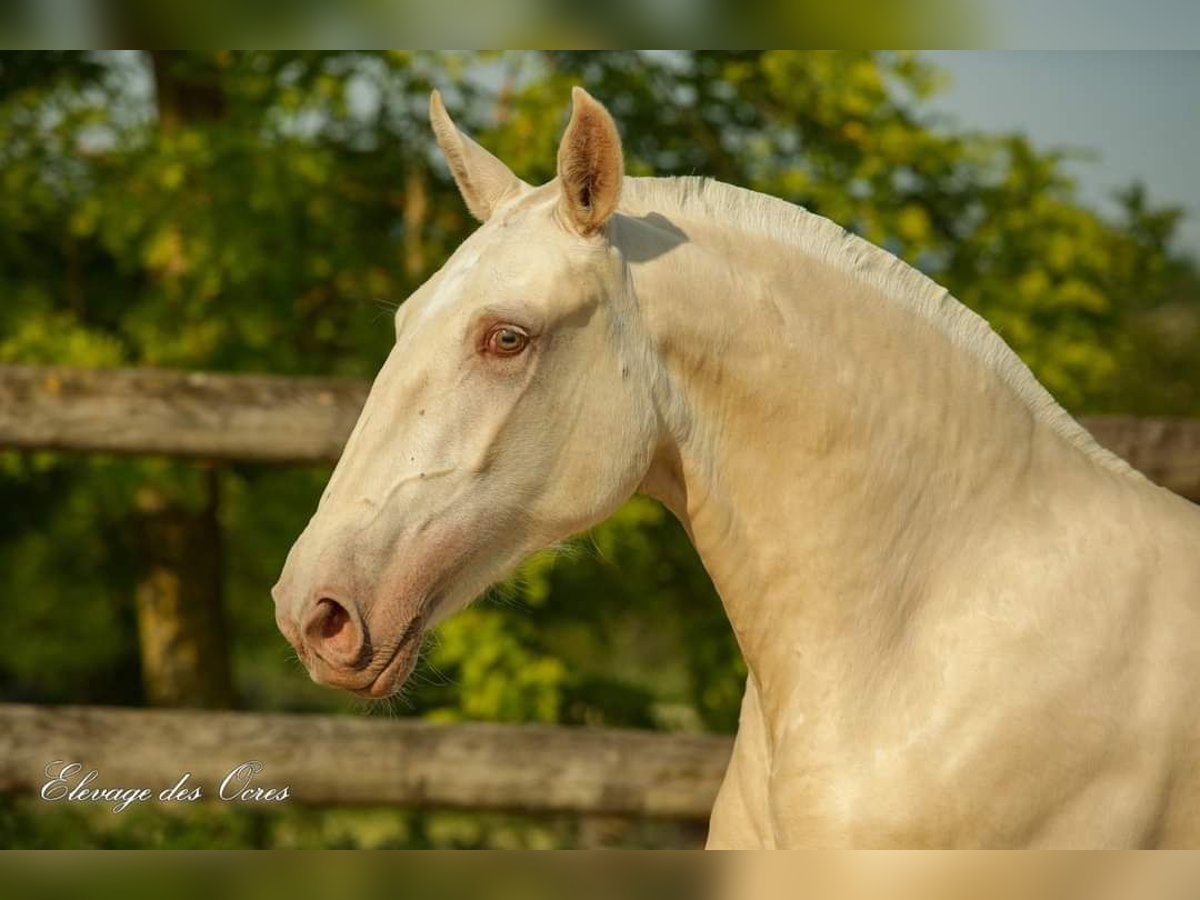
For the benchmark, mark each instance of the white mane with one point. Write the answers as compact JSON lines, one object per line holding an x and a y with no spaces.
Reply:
{"x":833,"y":245}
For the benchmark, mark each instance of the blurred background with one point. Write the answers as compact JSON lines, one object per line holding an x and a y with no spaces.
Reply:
{"x":264,"y":212}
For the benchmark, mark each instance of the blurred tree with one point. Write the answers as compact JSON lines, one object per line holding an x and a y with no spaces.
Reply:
{"x":180,"y":614}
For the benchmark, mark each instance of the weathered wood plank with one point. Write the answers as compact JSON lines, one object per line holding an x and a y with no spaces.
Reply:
{"x":346,"y":760}
{"x":261,"y":418}
{"x":250,"y":418}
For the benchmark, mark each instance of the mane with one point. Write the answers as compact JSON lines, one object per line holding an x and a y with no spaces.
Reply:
{"x":833,"y":245}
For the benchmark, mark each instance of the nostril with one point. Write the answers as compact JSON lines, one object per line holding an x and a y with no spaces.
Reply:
{"x":335,"y":620}
{"x":334,"y":634}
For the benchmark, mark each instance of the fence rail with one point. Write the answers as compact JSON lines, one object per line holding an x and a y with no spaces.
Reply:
{"x":237,"y":418}
{"x":271,"y":419}
{"x":346,"y":760}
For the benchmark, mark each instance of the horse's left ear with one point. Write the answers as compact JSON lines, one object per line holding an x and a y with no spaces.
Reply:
{"x":590,"y":165}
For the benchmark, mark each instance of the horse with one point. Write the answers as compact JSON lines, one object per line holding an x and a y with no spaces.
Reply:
{"x":965,"y":623}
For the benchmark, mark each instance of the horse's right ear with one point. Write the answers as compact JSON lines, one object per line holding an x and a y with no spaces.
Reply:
{"x":483,"y":180}
{"x":590,"y":164}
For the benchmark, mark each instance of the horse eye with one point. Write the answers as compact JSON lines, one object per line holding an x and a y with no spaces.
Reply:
{"x":506,"y":340}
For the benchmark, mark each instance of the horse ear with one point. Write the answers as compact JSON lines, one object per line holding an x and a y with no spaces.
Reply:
{"x":590,"y":164}
{"x":483,"y":180}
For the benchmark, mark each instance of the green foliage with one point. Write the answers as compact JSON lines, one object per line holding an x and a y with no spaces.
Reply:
{"x":265,"y":211}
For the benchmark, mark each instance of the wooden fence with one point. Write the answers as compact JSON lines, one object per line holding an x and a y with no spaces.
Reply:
{"x":347,"y":760}
{"x":341,"y":760}
{"x":235,"y":418}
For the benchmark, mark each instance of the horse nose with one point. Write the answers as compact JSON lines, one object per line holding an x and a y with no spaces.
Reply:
{"x":334,"y":631}
{"x":283,"y":618}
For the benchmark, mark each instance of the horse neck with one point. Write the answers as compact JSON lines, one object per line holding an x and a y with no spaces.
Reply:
{"x":827,"y":447}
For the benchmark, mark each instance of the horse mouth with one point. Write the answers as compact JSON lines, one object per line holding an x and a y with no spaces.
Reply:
{"x":391,"y":679}
{"x":399,"y":665}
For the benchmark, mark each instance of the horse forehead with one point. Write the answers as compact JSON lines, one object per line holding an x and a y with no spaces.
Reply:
{"x":517,"y":261}
{"x":447,"y":286}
